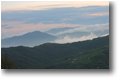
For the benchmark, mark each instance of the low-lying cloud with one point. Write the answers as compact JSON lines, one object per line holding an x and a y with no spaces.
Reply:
{"x":87,"y":28}
{"x":68,"y":39}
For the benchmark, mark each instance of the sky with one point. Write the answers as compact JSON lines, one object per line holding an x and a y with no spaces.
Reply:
{"x":11,"y":6}
{"x":22,"y":17}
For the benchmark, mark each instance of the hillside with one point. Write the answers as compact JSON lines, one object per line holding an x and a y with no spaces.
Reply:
{"x":91,"y":54}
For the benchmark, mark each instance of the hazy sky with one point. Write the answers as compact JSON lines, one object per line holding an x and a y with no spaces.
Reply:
{"x":22,"y":17}
{"x":8,"y":6}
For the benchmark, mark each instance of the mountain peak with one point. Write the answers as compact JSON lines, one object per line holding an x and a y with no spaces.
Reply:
{"x":28,"y":39}
{"x":36,"y":32}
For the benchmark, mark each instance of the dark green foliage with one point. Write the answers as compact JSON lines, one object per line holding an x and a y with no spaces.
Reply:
{"x":91,"y":54}
{"x":7,"y":63}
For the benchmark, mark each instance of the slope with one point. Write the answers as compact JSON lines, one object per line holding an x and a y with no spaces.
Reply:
{"x":91,"y":54}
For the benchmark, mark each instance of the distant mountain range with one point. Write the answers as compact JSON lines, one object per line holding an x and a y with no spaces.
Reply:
{"x":54,"y":35}
{"x":29,"y":39}
{"x":90,"y":54}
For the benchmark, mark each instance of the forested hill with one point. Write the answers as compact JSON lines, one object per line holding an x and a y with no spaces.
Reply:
{"x":91,"y":54}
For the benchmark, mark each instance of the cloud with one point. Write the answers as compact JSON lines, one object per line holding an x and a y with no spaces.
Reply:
{"x":20,"y":22}
{"x":68,"y":39}
{"x":87,"y":28}
{"x":98,"y":14}
{"x":41,"y":5}
{"x":13,"y":28}
{"x":83,"y":15}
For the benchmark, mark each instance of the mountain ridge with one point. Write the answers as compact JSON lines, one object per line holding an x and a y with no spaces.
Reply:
{"x":91,"y":54}
{"x":28,"y":39}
